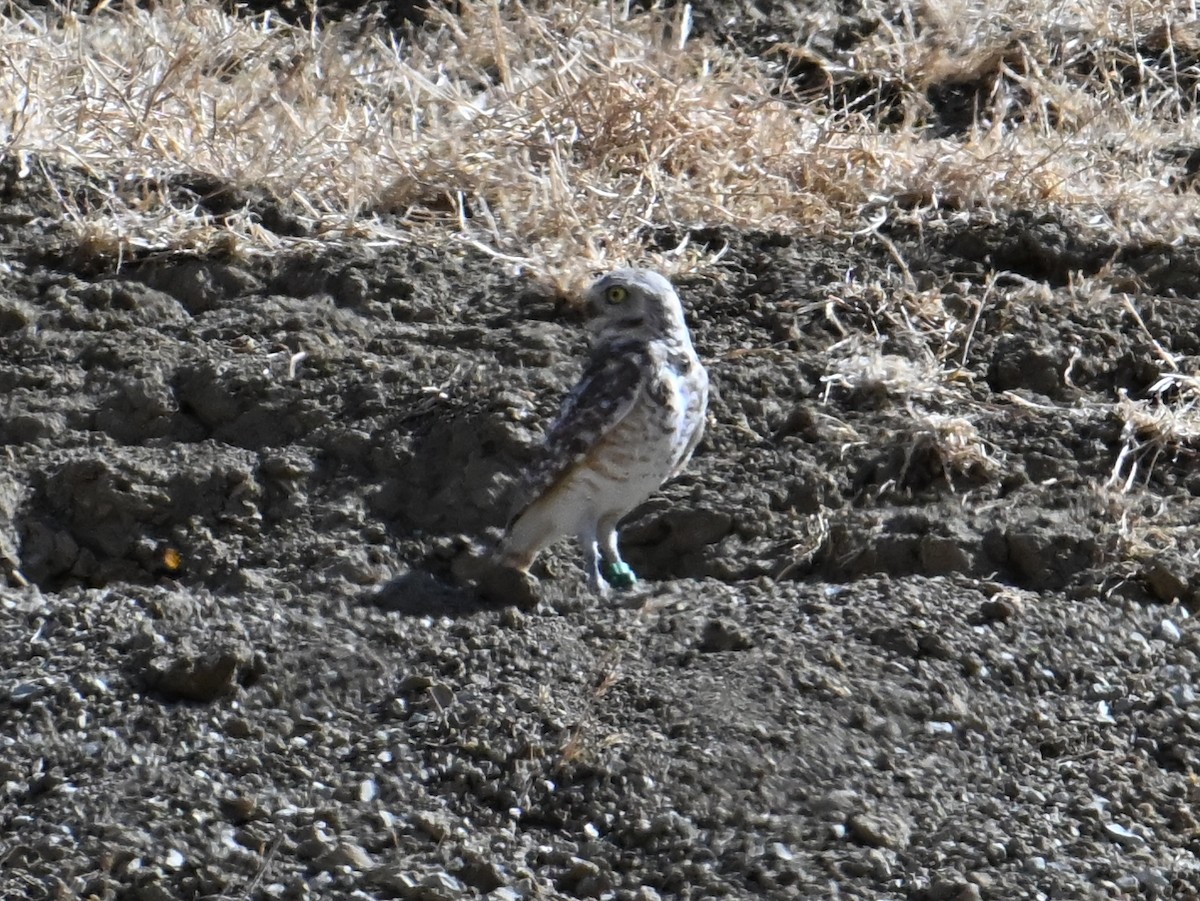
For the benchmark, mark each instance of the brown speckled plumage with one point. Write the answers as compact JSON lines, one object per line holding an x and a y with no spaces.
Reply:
{"x":632,"y":422}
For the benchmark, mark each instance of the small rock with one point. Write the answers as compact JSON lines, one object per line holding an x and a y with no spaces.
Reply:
{"x":482,"y":874}
{"x":344,"y":854}
{"x":240,"y":808}
{"x":441,"y":887}
{"x":896,"y":639}
{"x":393,"y":879}
{"x":1168,"y":632}
{"x":196,"y":677}
{"x":314,"y":848}
{"x":26,"y":692}
{"x":1000,"y":609}
{"x":1123,"y":836}
{"x":723,"y":635}
{"x":1165,"y":581}
{"x":840,"y":801}
{"x":152,"y":891}
{"x":1182,"y":695}
{"x":879,"y":831}
{"x":476,"y":568}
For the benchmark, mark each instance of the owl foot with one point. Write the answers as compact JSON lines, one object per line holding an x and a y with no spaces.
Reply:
{"x":620,"y":575}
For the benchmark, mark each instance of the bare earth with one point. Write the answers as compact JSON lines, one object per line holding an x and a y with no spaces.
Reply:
{"x":889,"y":643}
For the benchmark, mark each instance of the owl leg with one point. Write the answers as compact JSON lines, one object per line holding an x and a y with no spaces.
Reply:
{"x":592,"y":562}
{"x":616,"y":571}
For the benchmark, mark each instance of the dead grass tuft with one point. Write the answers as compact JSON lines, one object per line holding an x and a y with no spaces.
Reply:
{"x":1167,"y":423}
{"x":956,"y":445}
{"x":869,"y":373}
{"x":563,"y":137}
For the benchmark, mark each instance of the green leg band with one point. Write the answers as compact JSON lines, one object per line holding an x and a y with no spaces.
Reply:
{"x":619,"y":575}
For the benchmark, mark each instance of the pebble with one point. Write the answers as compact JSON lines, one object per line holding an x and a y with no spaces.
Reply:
{"x":393,"y":879}
{"x":880,"y":866}
{"x":314,"y":848}
{"x":723,"y":635}
{"x":1123,"y":836}
{"x":196,"y":677}
{"x":26,"y":692}
{"x":345,"y":854}
{"x":1182,"y":695}
{"x":879,"y":831}
{"x":1168,"y":632}
{"x":1155,"y":880}
{"x":839,"y":801}
{"x":442,"y":885}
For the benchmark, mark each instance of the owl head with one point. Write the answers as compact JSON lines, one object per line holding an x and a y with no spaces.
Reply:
{"x":634,"y":303}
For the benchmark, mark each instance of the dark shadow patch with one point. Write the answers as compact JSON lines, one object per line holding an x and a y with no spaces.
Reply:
{"x":225,"y":200}
{"x":981,"y":90}
{"x":1164,"y":269}
{"x":1036,"y":246}
{"x":456,"y":475}
{"x":421,"y":593}
{"x":674,"y":543}
{"x":94,"y":520}
{"x":1055,"y":550}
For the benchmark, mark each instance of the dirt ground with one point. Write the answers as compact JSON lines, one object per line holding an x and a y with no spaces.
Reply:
{"x":889,"y":642}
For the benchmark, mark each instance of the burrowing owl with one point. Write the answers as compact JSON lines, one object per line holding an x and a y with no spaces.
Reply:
{"x":630,"y":424}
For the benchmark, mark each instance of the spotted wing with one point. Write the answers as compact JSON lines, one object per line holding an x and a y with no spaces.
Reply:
{"x":603,"y":397}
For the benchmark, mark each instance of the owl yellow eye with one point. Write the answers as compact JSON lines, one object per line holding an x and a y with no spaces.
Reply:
{"x":616,"y":294}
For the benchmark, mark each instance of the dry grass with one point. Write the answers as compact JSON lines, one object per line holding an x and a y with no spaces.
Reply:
{"x":558,"y":136}
{"x":1166,"y":425}
{"x":867,"y":370}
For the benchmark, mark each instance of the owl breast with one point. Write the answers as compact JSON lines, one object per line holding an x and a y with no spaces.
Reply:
{"x":640,"y":453}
